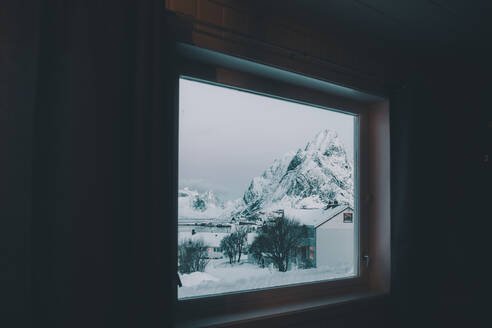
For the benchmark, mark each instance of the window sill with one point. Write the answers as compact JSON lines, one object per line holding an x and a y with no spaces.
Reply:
{"x":327,"y":304}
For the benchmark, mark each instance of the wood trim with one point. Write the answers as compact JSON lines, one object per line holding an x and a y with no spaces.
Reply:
{"x":214,"y":37}
{"x":330,"y":307}
{"x":379,"y":197}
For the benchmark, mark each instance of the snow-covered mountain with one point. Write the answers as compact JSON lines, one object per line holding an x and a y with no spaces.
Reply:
{"x":312,"y":177}
{"x":199,"y":205}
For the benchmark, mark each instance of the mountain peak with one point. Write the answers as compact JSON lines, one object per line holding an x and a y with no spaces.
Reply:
{"x":323,"y":140}
{"x":312,"y":177}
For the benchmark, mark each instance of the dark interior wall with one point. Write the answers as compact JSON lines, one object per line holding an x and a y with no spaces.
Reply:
{"x":440,"y":190}
{"x":85,"y":167}
{"x":18,"y":58}
{"x":82,"y":162}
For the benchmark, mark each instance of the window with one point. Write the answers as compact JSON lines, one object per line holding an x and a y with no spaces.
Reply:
{"x":264,"y":175}
{"x":261,"y":150}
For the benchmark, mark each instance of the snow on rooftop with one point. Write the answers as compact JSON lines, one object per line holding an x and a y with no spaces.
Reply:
{"x":313,"y":217}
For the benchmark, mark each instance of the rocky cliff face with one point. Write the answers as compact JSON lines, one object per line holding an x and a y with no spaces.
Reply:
{"x":312,"y":177}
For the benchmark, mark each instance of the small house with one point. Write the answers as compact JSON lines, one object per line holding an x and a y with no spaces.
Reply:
{"x":330,"y":240}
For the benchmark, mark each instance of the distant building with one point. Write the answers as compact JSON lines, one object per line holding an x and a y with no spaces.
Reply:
{"x":211,"y":240}
{"x":330,"y":240}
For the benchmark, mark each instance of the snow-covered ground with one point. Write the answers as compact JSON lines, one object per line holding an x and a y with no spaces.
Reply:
{"x":222,"y":277}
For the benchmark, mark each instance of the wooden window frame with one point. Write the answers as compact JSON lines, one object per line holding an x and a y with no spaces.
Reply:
{"x":371,"y":206}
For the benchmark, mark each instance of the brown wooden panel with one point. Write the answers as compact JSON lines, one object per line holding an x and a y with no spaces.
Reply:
{"x":187,"y":7}
{"x":209,"y":12}
{"x":235,"y":20}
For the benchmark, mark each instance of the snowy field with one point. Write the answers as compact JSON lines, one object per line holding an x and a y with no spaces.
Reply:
{"x":222,"y":277}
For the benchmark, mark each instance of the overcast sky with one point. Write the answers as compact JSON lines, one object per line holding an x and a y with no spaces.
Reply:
{"x":227,"y":137}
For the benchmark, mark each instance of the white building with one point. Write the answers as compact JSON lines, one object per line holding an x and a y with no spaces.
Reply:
{"x":333,"y":241}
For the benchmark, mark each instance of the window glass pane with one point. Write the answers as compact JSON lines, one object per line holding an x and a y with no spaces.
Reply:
{"x":266,"y":191}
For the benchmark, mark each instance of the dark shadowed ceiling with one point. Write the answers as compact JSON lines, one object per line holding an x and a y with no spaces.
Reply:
{"x":412,"y":24}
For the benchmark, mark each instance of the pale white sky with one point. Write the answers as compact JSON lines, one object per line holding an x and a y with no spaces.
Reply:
{"x":227,"y":136}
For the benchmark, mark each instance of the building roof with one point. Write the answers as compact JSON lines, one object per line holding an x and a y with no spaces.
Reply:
{"x":315,"y":217}
{"x":210,"y":239}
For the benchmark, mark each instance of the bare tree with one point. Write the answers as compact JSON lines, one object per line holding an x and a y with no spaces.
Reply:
{"x":229,"y":247}
{"x":192,"y":256}
{"x":240,"y":238}
{"x":233,"y":244}
{"x":256,"y":252}
{"x":277,"y":240}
